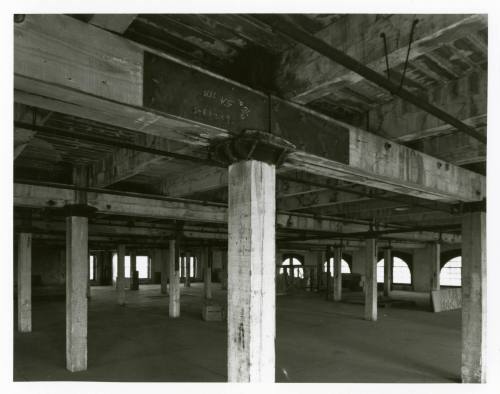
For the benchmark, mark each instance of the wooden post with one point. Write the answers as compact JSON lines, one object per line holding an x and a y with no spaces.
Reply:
{"x":435,"y":262}
{"x":371,"y":280}
{"x":187,"y":282}
{"x":251,"y":274}
{"x":77,"y":273}
{"x":337,"y":274}
{"x":474,"y":297}
{"x":120,"y":274}
{"x":387,"y":271}
{"x":24,"y":282}
{"x":174,"y":305}
{"x":207,"y":269}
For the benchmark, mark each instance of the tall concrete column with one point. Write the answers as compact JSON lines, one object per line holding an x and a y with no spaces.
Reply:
{"x":120,"y":275}
{"x":435,"y":261}
{"x":251,"y":273}
{"x":134,"y":280}
{"x":187,"y":282}
{"x":337,"y":274}
{"x":24,"y":282}
{"x":387,"y":271}
{"x":77,"y":273}
{"x":474,"y":297}
{"x":207,"y":270}
{"x":371,"y":280}
{"x":174,"y":290}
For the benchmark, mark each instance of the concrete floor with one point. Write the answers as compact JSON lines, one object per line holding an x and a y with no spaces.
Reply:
{"x":316,"y":341}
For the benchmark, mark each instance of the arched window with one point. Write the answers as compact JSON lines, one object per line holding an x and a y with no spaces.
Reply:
{"x":401,"y":273}
{"x":293,"y":267}
{"x":451,"y":273}
{"x":344,"y":267}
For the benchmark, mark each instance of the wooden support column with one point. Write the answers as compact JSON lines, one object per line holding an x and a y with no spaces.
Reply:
{"x":435,"y":262}
{"x":77,"y":272}
{"x":251,"y":272}
{"x":24,"y":282}
{"x":174,"y":291}
{"x":207,"y":270}
{"x":387,"y":271}
{"x":371,"y":280}
{"x":120,"y":274}
{"x":337,"y":274}
{"x":187,"y":282}
{"x":474,"y":297}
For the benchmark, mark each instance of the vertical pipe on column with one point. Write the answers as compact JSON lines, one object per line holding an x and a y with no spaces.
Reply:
{"x":174,"y":306}
{"x":24,"y":282}
{"x":371,"y":280}
{"x":337,"y":274}
{"x":120,"y":275}
{"x":387,"y":271}
{"x":474,"y":297}
{"x":251,"y":274}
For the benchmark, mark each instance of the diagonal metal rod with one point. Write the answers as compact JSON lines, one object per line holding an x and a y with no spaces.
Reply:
{"x":283,"y":25}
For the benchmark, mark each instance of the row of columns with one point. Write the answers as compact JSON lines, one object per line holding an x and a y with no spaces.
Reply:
{"x":251,"y":280}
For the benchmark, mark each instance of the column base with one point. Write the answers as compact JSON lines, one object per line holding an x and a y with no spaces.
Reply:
{"x":212,"y":312}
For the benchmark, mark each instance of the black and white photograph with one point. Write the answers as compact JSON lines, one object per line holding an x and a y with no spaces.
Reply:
{"x":235,"y":194}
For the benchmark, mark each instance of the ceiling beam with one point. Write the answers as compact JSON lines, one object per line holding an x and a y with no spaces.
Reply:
{"x":124,"y":163}
{"x":117,"y":23}
{"x":300,"y":35}
{"x":306,"y":76}
{"x":130,"y":88}
{"x":464,"y":98}
{"x":37,"y":196}
{"x":194,"y":180}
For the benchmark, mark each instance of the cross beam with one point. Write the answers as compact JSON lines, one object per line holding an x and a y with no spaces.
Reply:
{"x":91,"y":73}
